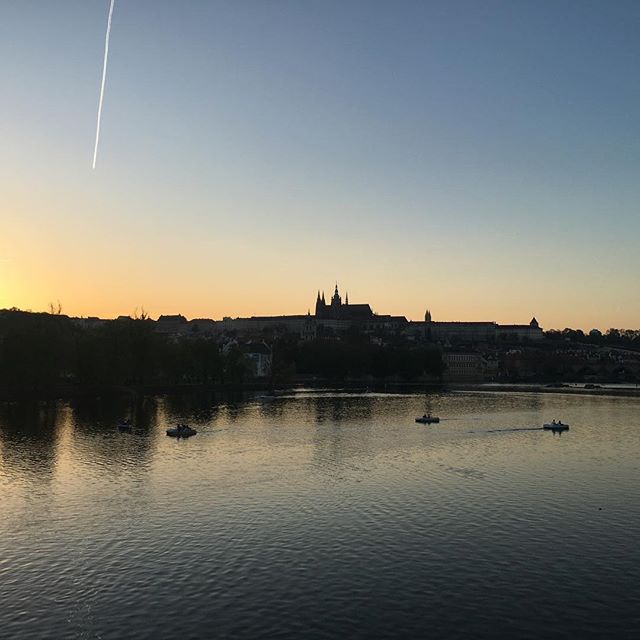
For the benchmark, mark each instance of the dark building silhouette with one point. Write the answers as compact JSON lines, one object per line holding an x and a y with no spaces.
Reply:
{"x":491,"y":331}
{"x":334,"y":318}
{"x":337,"y":310}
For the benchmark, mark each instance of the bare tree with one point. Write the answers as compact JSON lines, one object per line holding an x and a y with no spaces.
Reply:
{"x":141,"y":315}
{"x":55,"y":309}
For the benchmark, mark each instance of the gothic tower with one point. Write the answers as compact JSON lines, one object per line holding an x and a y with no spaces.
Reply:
{"x":321,"y":305}
{"x":336,"y":300}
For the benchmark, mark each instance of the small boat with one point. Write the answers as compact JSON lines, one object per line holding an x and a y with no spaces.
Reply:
{"x":428,"y":419}
{"x":555,"y":426}
{"x":181,"y":431}
{"x":125,"y":425}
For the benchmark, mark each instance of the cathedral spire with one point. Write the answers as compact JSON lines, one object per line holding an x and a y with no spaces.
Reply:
{"x":320,"y":304}
{"x":336,"y":301}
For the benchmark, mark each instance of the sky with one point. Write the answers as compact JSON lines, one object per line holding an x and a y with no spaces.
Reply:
{"x":479,"y":159}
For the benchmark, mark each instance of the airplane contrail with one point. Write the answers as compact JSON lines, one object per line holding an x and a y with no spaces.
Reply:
{"x":104,"y":77}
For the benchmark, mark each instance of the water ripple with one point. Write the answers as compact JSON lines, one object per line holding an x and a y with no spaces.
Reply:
{"x":323,"y":516}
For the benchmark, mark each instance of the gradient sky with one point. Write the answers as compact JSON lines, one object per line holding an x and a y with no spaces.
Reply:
{"x":477,"y":158}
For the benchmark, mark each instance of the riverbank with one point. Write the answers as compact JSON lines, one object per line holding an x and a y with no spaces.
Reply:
{"x":70,"y":392}
{"x":632,"y":392}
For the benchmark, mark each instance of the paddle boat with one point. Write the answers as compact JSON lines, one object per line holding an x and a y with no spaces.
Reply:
{"x":555,"y":426}
{"x":181,"y":431}
{"x":428,"y":419}
{"x":125,"y":425}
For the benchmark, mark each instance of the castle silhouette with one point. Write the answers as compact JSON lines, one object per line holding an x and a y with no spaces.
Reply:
{"x":337,"y":317}
{"x":337,"y":310}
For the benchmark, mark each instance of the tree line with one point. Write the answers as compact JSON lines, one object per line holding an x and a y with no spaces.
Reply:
{"x":357,"y":359}
{"x":617,"y":338}
{"x":40,"y":350}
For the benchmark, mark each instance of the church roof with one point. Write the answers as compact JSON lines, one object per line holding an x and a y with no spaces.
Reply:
{"x":357,"y":310}
{"x":514,"y":326}
{"x":177,"y":318}
{"x":462,"y":322}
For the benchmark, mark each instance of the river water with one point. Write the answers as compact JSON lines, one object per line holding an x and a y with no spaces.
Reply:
{"x":322,"y":515}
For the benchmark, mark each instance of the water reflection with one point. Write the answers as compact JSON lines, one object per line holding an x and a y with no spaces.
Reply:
{"x":199,"y":407}
{"x":97,"y":441}
{"x":320,"y":515}
{"x":29,"y":436}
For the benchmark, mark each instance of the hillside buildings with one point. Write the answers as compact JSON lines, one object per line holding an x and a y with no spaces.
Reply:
{"x":476,"y":331}
{"x":468,"y":348}
{"x":338,"y":339}
{"x":336,"y":317}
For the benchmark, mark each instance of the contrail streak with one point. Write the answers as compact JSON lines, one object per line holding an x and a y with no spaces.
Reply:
{"x":104,"y":77}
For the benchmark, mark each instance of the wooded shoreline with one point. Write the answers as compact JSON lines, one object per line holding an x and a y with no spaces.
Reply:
{"x":363,"y":385}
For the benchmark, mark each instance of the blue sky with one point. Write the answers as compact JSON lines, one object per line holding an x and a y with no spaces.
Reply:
{"x":476,"y":158}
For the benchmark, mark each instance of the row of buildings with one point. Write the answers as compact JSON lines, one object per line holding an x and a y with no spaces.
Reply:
{"x":469,"y":349}
{"x":334,"y":318}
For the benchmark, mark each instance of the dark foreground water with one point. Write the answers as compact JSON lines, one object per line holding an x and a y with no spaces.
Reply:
{"x":322,"y":515}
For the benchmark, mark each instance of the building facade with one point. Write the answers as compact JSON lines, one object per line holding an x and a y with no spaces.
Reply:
{"x":337,"y":310}
{"x":474,"y":332}
{"x":336,"y":317}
